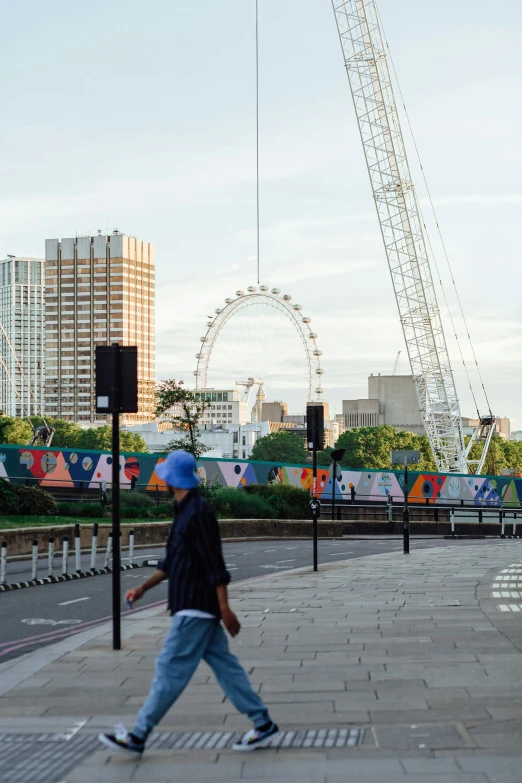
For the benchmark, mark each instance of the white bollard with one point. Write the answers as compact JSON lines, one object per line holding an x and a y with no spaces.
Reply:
{"x":77,"y":548}
{"x":94,"y":545}
{"x":50,"y":556}
{"x":515,"y":525}
{"x":3,"y":562}
{"x":109,"y":551}
{"x":503,"y":525}
{"x":131,"y":547}
{"x":65,"y":555}
{"x":452,"y":519}
{"x":35,"y":561}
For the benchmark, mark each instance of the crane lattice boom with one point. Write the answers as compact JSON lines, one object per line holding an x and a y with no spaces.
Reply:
{"x":401,"y":227}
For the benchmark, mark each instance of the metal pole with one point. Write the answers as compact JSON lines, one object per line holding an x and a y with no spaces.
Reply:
{"x":3,"y":562}
{"x":515,"y":525}
{"x":406,"y":515}
{"x":131,"y":547}
{"x":65,"y":555}
{"x":116,"y":559}
{"x":94,"y":544}
{"x":50,"y":556}
{"x":333,"y":489}
{"x":35,"y":561}
{"x":77,"y":548}
{"x":452,"y":519}
{"x":314,"y":493}
{"x":108,"y":552}
{"x":502,"y":520}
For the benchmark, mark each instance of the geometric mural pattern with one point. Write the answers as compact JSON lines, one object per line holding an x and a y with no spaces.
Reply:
{"x":68,"y":467}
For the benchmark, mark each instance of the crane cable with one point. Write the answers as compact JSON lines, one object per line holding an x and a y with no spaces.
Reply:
{"x":257,"y":132}
{"x":432,"y":205}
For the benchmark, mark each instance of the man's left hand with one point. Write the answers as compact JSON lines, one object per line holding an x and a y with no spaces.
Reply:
{"x":230,"y":621}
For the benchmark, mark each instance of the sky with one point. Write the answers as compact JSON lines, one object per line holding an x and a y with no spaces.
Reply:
{"x":141,"y":116}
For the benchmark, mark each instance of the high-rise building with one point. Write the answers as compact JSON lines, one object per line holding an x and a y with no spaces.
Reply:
{"x":21,"y":336}
{"x":99,"y":290}
{"x":274,"y":411}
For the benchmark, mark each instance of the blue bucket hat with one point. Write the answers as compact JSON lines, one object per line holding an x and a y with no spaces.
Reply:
{"x":179,"y":470}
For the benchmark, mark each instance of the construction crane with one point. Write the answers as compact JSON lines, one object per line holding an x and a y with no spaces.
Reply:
{"x":396,"y":363}
{"x":404,"y":241}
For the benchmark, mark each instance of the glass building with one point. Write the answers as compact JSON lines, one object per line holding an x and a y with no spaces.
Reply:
{"x":21,"y":336}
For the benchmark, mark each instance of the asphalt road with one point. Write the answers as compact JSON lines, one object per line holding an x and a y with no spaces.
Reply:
{"x":34,"y":617}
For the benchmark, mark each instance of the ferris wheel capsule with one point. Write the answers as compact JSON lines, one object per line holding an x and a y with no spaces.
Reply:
{"x":204,"y":339}
{"x":313,"y":335}
{"x":228,"y":300}
{"x":319,"y":390}
{"x":240,"y":293}
{"x":209,"y":323}
{"x":318,"y":353}
{"x":251,"y":288}
{"x":199,"y":355}
{"x":319,"y":371}
{"x":307,"y":320}
{"x":276,"y":291}
{"x":263,"y":288}
{"x":287,"y":297}
{"x":297,"y":307}
{"x":196,"y":373}
{"x":218,"y":310}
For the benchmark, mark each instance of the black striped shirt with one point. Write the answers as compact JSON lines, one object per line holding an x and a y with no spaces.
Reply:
{"x":194,"y":558}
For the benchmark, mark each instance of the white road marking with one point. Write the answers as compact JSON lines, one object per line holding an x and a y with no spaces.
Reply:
{"x":334,"y":554}
{"x":41,"y":621}
{"x":232,"y":568}
{"x":75,"y":601}
{"x":270,"y":550}
{"x":286,"y":561}
{"x":272,"y":566}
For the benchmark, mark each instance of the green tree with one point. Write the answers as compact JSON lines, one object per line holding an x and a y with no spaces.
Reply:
{"x":496,"y":456}
{"x":183,"y":409}
{"x":370,"y":447}
{"x":132,"y":441}
{"x":100,"y":439}
{"x":15,"y":430}
{"x":67,"y":433}
{"x":281,"y":446}
{"x":513,"y":454}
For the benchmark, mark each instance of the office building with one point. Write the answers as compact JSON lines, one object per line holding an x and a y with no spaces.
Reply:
{"x":99,"y":290}
{"x":392,"y":399}
{"x":223,"y":407}
{"x":273,"y":411}
{"x":21,"y":336}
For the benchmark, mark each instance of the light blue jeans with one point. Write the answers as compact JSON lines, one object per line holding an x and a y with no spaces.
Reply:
{"x":189,"y":640}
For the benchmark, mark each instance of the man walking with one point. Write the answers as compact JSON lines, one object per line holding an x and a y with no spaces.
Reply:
{"x":198,"y":601}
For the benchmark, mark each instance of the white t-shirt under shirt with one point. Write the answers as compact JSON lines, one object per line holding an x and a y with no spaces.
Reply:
{"x":195,"y":613}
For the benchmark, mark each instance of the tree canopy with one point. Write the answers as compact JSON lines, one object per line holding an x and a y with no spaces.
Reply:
{"x":69,"y":435}
{"x":370,"y":447}
{"x":281,"y":446}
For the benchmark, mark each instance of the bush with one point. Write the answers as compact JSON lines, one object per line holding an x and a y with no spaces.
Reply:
{"x":234,"y":503}
{"x":163,"y":511}
{"x":26,"y":501}
{"x":288,"y":502}
{"x":133,"y":499}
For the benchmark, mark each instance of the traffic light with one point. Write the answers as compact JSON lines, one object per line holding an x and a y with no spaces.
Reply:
{"x":315,"y":426}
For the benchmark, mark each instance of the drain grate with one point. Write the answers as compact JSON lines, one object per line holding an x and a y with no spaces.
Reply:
{"x":48,"y":758}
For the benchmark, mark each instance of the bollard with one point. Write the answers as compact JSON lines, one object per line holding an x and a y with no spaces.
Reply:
{"x":502,"y":520}
{"x":77,"y":548}
{"x":452,"y":519}
{"x":35,"y":561}
{"x":65,"y":555}
{"x":109,"y":551}
{"x":94,"y":544}
{"x":3,"y":562}
{"x":131,"y":547}
{"x":50,"y":556}
{"x":389,"y":509}
{"x":515,"y":525}
{"x":480,"y":516}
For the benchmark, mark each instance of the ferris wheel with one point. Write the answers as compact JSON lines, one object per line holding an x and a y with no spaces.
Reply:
{"x":260,"y":333}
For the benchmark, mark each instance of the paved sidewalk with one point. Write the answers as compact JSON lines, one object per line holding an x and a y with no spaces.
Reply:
{"x":423,"y":654}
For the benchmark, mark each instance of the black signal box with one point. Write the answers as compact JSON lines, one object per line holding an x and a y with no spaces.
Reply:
{"x":315,"y":426}
{"x":116,"y":363}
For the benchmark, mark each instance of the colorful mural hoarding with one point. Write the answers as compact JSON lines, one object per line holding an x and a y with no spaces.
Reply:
{"x":73,"y":468}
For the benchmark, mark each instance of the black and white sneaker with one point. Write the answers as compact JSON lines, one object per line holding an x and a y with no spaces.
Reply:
{"x":122,"y":742}
{"x":258,"y":738}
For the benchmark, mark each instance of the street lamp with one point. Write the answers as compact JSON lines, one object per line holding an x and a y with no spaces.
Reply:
{"x":336,"y":457}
